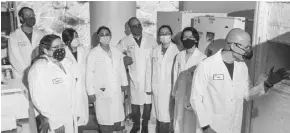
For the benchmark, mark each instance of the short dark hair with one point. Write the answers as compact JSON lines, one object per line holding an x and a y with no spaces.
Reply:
{"x":193,"y":31}
{"x":68,"y":35}
{"x":20,"y":12}
{"x":165,"y":26}
{"x":103,"y":27}
{"x":131,"y":19}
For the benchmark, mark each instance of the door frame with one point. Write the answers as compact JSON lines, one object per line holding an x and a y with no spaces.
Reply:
{"x":259,"y":59}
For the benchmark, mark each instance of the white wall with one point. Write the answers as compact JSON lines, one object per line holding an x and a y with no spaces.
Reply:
{"x":273,"y":110}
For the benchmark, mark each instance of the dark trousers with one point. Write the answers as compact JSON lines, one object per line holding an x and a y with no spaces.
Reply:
{"x":162,"y":127}
{"x":136,"y":114}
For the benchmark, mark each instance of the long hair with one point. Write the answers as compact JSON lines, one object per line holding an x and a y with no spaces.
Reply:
{"x":164,"y":26}
{"x":194,"y":34}
{"x":45,"y":43}
{"x":68,"y":36}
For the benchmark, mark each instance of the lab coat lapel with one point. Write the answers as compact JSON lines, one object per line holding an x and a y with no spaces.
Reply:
{"x":34,"y":38}
{"x":143,"y":41}
{"x":223,"y":67}
{"x":192,"y":59}
{"x":167,"y":55}
{"x":25,"y":38}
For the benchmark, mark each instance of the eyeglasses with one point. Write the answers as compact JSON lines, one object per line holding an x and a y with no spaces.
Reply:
{"x":164,"y":34}
{"x":29,"y":16}
{"x":136,"y":26}
{"x":58,"y":47}
{"x":191,"y":38}
{"x":104,"y":35}
{"x":240,"y":46}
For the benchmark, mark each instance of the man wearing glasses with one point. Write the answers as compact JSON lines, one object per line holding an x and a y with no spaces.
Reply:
{"x":23,"y":42}
{"x":221,"y":83}
{"x":137,"y":47}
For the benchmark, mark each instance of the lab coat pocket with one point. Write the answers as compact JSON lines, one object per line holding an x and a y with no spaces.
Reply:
{"x":217,"y":87}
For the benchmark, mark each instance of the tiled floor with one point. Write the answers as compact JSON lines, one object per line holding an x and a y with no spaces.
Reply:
{"x":128,"y":126}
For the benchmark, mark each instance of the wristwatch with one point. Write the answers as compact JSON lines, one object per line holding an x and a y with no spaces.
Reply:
{"x":205,"y":128}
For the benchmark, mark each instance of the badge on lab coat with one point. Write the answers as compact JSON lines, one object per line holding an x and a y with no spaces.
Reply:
{"x":57,"y":81}
{"x":22,"y":44}
{"x":218,"y":77}
{"x":131,"y":47}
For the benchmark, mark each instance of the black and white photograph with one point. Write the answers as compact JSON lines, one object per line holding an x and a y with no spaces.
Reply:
{"x":145,"y":66}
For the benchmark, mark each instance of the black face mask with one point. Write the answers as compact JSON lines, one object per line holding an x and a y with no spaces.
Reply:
{"x":59,"y":54}
{"x":247,"y":55}
{"x":136,"y":31}
{"x":30,"y":22}
{"x":188,"y":43}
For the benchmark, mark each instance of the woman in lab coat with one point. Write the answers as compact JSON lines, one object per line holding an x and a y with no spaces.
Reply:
{"x":159,"y":76}
{"x":186,"y":62}
{"x":105,"y":76}
{"x":78,"y":53}
{"x":52,"y":85}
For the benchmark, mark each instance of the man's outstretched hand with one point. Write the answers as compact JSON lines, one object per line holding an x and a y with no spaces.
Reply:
{"x":279,"y":75}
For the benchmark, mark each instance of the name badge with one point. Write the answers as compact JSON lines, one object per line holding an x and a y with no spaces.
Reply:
{"x":57,"y":81}
{"x":22,"y":44}
{"x":155,"y":59}
{"x":131,"y":47}
{"x":218,"y":77}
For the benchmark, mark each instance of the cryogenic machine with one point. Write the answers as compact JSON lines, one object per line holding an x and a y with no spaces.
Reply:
{"x":213,"y":31}
{"x":178,"y":20}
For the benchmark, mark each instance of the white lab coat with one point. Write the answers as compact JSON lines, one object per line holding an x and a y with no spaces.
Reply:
{"x":217,"y":99}
{"x":21,"y":51}
{"x":104,"y":72}
{"x":184,"y":120}
{"x":53,"y":93}
{"x":140,"y":55}
{"x":159,"y":80}
{"x":82,"y":107}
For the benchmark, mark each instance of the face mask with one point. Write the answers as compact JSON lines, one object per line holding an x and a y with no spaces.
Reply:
{"x":188,"y":43}
{"x":59,"y":54}
{"x":105,"y":39}
{"x":136,"y":31}
{"x":30,"y":22}
{"x":165,"y":39}
{"x":246,"y":56}
{"x":75,"y":43}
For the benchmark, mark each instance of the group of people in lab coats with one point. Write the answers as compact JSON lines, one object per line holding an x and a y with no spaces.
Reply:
{"x":186,"y":91}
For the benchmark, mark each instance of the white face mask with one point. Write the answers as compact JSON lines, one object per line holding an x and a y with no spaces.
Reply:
{"x":105,"y":39}
{"x":75,"y":43}
{"x":165,"y":39}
